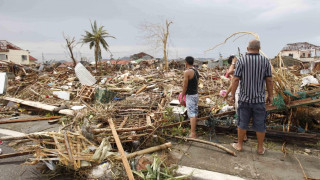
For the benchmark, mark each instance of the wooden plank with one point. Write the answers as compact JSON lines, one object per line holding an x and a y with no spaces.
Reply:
{"x":39,"y":105}
{"x":78,"y":151}
{"x":68,"y":148}
{"x":60,"y":151}
{"x":296,"y":103}
{"x":3,"y":156}
{"x":120,"y":148}
{"x":124,"y":122}
{"x":148,"y":119}
{"x":30,"y":119}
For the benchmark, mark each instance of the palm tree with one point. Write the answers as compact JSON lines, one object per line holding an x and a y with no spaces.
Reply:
{"x":95,"y":38}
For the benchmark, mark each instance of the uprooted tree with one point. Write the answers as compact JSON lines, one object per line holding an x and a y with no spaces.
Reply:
{"x":95,"y":39}
{"x":158,"y":34}
{"x":71,"y":44}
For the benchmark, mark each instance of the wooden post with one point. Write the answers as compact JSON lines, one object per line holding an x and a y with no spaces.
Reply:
{"x":120,"y":148}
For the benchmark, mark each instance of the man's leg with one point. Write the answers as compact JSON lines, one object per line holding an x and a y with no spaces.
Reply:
{"x":193,"y":123}
{"x":244,"y":114}
{"x":236,"y":104}
{"x":259,"y":124}
{"x":260,"y":137}
{"x":192,"y":109}
{"x":241,"y":136}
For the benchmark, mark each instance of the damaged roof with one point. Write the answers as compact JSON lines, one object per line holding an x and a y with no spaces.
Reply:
{"x":6,"y":45}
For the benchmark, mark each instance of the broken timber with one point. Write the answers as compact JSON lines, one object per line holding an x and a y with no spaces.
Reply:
{"x":3,"y":156}
{"x":120,"y":149}
{"x":39,"y":105}
{"x":147,"y":151}
{"x":32,"y":119}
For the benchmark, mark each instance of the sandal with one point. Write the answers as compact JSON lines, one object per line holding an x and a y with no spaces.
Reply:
{"x":235,"y":140}
{"x":264,"y":150}
{"x":235,"y":147}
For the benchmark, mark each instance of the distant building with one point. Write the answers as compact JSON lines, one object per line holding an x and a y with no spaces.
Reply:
{"x":141,"y":55}
{"x":11,"y":52}
{"x":302,"y":51}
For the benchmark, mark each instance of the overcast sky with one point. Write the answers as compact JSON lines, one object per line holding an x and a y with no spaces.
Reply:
{"x":37,"y":25}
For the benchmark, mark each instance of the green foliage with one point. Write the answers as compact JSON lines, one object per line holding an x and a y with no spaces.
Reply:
{"x":95,"y":39}
{"x":168,"y":114}
{"x":158,"y":171}
{"x":179,"y":131}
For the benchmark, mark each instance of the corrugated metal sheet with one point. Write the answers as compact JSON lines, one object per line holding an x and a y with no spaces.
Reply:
{"x":84,"y":76}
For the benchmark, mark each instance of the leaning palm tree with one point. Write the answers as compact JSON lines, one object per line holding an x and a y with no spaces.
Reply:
{"x":95,"y":38}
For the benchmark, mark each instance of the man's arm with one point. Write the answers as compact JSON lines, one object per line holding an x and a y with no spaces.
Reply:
{"x":228,"y":90}
{"x":185,"y":85}
{"x":235,"y":83}
{"x":269,"y":85}
{"x":232,"y":66}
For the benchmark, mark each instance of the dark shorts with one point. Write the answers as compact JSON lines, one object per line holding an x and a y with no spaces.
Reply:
{"x":255,"y":110}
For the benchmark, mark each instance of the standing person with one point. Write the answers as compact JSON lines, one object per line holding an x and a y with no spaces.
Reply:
{"x":190,"y":90}
{"x":253,"y":70}
{"x":232,"y":62}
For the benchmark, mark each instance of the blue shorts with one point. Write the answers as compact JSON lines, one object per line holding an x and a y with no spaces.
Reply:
{"x":255,"y":110}
{"x":192,"y":105}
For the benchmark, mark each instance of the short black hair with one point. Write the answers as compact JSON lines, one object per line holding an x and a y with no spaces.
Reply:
{"x":230,"y":59}
{"x":189,"y":60}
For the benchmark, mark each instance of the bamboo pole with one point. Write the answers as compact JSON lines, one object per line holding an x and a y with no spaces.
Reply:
{"x":120,"y":148}
{"x":205,"y":142}
{"x":3,"y":156}
{"x":147,"y":151}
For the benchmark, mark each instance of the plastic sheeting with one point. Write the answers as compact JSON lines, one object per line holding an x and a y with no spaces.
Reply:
{"x":3,"y":83}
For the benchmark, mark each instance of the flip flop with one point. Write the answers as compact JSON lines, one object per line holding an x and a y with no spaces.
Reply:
{"x":264,"y":150}
{"x":235,"y":147}
{"x":236,"y":140}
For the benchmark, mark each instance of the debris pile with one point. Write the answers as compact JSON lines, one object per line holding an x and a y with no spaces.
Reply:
{"x":122,"y":113}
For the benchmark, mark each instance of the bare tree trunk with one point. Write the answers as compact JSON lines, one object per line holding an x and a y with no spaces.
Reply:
{"x":71,"y":43}
{"x":159,"y":34}
{"x":166,"y":66}
{"x":165,"y":42}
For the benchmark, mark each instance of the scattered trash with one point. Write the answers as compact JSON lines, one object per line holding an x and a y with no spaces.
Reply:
{"x":62,"y":94}
{"x":309,"y":80}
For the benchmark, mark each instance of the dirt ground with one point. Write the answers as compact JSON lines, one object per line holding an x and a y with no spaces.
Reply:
{"x":248,"y":164}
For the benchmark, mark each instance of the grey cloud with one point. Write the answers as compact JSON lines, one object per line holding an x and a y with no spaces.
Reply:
{"x":197,"y":25}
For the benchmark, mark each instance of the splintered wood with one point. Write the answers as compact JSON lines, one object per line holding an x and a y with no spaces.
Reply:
{"x":67,"y":147}
{"x":86,"y":92}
